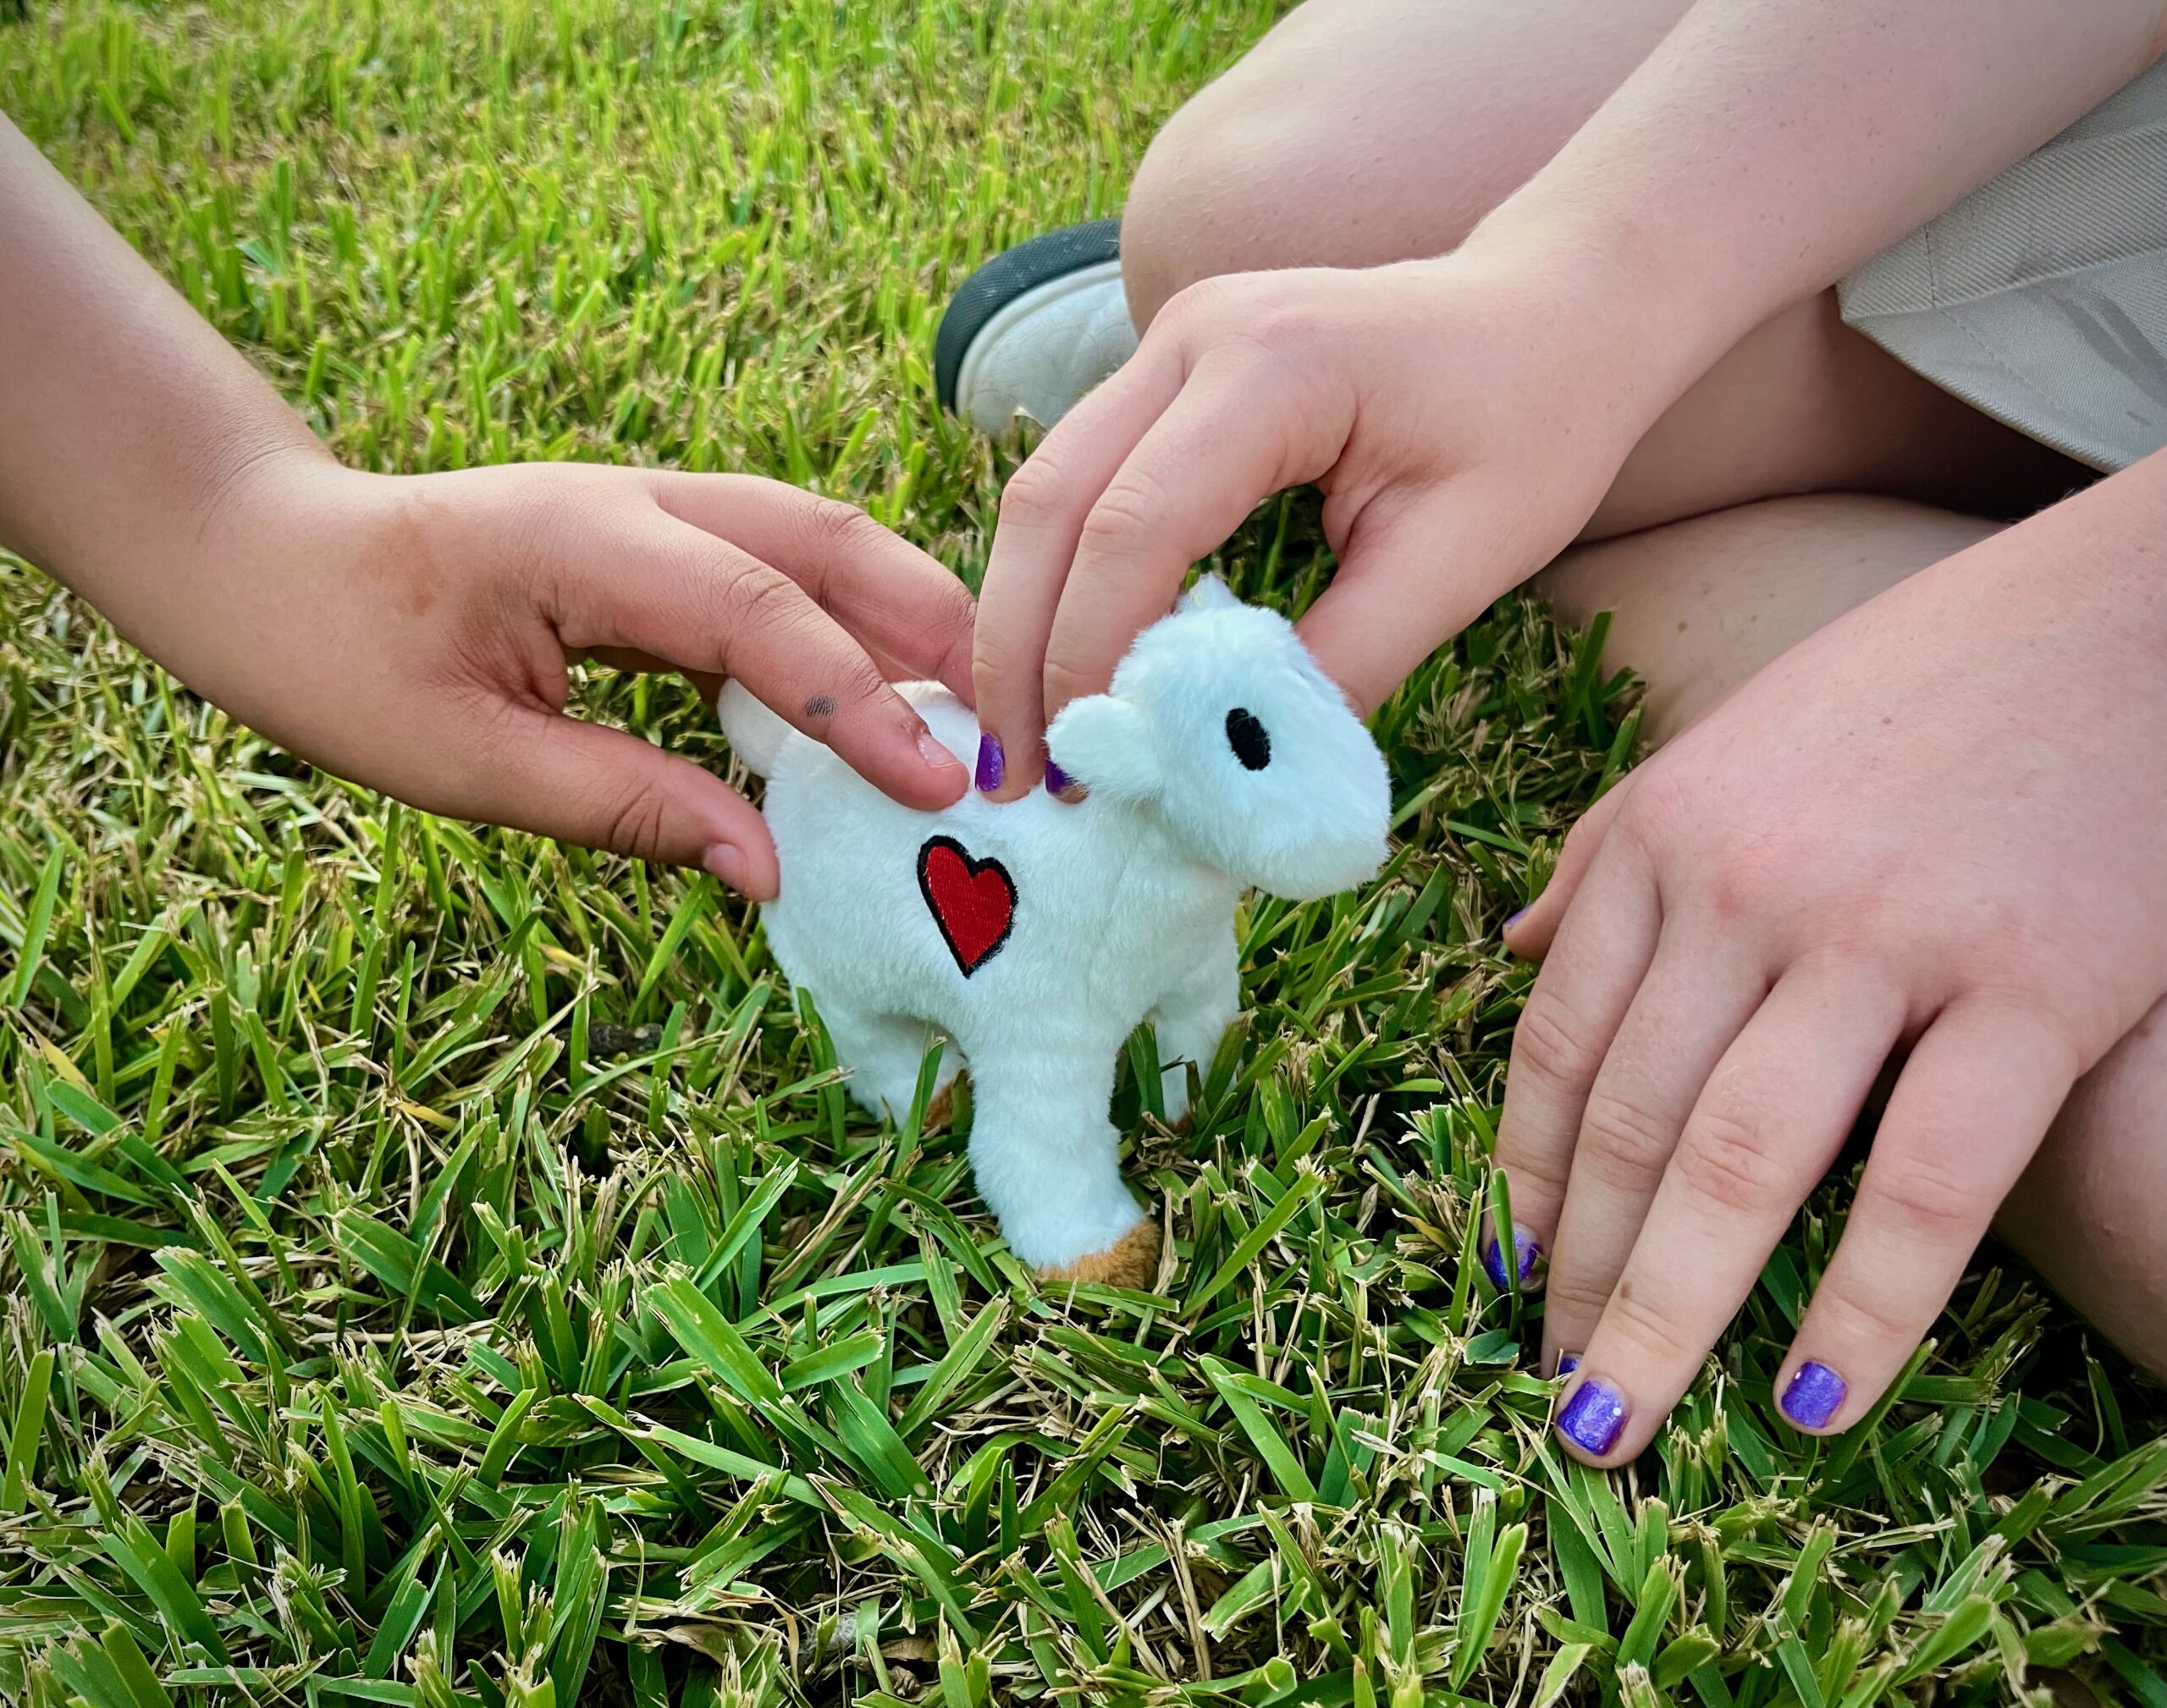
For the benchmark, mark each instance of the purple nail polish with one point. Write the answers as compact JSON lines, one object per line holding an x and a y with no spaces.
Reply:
{"x":1567,"y":1363}
{"x":1525,"y":1250}
{"x":1815,"y":1395}
{"x":1593,"y":1417}
{"x":993,"y":763}
{"x":1515,"y":917}
{"x":1056,"y":779}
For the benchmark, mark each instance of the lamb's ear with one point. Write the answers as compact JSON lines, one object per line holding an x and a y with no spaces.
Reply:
{"x":1106,"y":745}
{"x":1208,"y":594}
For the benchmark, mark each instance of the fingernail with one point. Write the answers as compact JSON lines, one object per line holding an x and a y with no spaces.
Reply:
{"x":993,"y":765}
{"x":1815,"y":1395}
{"x":1525,"y":1250}
{"x":1056,"y":779}
{"x":1567,"y":1363}
{"x":726,"y":862}
{"x":936,"y":755}
{"x":1517,"y":915}
{"x":1593,"y":1417}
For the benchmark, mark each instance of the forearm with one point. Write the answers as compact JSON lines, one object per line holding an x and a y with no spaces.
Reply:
{"x":1764,"y":149}
{"x":126,"y":420}
{"x":2106,"y":549}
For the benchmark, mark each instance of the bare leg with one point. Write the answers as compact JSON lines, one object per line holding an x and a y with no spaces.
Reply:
{"x":1363,"y":131}
{"x":1702,"y":604}
{"x":1190,"y":1020}
{"x":2091,"y":1212}
{"x":1699,"y":606}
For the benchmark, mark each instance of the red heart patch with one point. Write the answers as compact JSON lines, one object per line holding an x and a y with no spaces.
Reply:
{"x":972,"y":901}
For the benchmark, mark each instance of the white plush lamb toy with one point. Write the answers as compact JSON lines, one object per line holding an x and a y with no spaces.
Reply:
{"x":1033,"y":936}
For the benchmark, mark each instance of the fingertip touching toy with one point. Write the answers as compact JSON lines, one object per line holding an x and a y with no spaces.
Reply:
{"x":1029,"y":939}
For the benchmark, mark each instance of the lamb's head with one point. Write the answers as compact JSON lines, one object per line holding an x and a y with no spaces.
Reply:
{"x":1220,"y":722}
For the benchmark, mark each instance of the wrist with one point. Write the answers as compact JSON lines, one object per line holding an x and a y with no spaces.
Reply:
{"x":260,"y":492}
{"x":261,"y":521}
{"x":1643,"y":331}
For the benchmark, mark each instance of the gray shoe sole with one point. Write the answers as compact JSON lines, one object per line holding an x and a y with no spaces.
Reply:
{"x":1006,"y":276}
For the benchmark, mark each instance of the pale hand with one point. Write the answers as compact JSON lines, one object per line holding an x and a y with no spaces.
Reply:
{"x":1938,"y":825}
{"x":1461,"y":418}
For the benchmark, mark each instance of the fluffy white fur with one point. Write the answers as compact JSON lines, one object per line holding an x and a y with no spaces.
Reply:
{"x":1124,"y":901}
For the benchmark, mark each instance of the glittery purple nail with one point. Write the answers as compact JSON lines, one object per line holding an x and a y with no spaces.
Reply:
{"x":1525,"y":1250}
{"x":1815,"y":1395}
{"x":1593,"y":1417}
{"x":1056,"y":779}
{"x":1567,"y":1363}
{"x":993,"y":763}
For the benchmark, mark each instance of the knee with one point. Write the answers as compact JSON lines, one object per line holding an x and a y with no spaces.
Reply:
{"x":1297,"y":158}
{"x":1199,"y":206}
{"x":1266,"y":169}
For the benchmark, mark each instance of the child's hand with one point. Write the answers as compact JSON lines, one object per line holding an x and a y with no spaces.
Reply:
{"x":413,"y":633}
{"x":1462,"y":419}
{"x":1939,"y":824}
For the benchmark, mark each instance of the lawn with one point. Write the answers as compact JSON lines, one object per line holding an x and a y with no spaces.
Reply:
{"x":439,"y":1268}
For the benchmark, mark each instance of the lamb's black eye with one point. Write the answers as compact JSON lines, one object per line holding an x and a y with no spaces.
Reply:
{"x":1251,"y":740}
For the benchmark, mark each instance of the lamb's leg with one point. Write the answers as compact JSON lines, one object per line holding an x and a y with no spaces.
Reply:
{"x":882,"y":1053}
{"x":1047,"y":1162}
{"x":1190,"y":1020}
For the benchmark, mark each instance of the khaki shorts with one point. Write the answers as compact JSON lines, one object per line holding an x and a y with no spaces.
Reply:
{"x":2041,"y":298}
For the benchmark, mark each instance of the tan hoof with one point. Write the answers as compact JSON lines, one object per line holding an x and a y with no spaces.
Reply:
{"x":1132,"y":1261}
{"x":938,"y":1111}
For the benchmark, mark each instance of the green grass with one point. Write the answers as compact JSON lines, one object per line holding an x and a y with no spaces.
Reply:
{"x":439,"y":1270}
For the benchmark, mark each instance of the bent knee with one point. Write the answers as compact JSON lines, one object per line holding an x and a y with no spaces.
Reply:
{"x":1258,"y":171}
{"x":1201,"y":206}
{"x":1361,"y":132}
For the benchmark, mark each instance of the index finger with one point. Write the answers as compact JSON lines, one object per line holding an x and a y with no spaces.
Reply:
{"x":1767,"y":1123}
{"x":1236,"y":433}
{"x":1042,"y":514}
{"x":1413,"y":573}
{"x":904,"y":604}
{"x":704,"y":604}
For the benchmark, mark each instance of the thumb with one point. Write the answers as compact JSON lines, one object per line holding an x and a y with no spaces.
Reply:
{"x":603,"y":788}
{"x":1530,"y":931}
{"x":1414,"y":571}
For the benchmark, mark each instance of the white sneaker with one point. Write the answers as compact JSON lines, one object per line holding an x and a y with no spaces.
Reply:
{"x":1034,"y":328}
